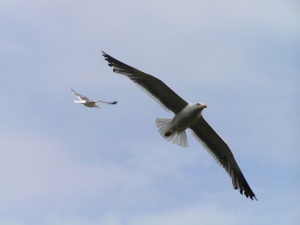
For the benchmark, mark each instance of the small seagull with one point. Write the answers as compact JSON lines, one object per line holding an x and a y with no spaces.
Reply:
{"x":187,"y":115}
{"x":85,"y":101}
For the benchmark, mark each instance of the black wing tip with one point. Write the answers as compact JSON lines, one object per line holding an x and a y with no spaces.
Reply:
{"x":250,"y":195}
{"x":106,"y":56}
{"x":109,"y":59}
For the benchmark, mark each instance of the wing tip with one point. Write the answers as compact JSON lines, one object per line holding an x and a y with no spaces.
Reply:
{"x":248,"y":194}
{"x":106,"y":56}
{"x":243,"y":187}
{"x":109,"y":59}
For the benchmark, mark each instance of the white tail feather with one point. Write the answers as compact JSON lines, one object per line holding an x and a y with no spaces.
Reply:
{"x":177,"y":137}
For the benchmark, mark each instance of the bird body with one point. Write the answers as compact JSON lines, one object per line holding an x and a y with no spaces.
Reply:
{"x":187,"y":116}
{"x":174,"y":129}
{"x":90,"y":104}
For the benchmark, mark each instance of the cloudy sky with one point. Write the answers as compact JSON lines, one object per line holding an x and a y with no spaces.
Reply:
{"x":65,"y":164}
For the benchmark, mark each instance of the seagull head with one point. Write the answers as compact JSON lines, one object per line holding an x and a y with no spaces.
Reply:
{"x":201,"y":105}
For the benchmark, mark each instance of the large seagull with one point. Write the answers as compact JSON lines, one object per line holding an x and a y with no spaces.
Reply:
{"x":187,"y":115}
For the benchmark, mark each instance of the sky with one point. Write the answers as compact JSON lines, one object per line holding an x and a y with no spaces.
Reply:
{"x":65,"y":164}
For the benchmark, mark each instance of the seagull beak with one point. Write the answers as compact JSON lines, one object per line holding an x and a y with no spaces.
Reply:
{"x":203,"y":106}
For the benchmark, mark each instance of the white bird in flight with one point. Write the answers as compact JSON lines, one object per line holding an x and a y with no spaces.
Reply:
{"x":85,"y":101}
{"x":187,"y":115}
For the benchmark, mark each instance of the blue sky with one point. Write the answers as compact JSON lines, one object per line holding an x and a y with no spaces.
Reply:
{"x":62,"y":163}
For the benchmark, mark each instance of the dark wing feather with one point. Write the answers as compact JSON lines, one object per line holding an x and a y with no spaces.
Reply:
{"x":82,"y":97}
{"x":153,"y":86}
{"x":223,"y":155}
{"x":112,"y":103}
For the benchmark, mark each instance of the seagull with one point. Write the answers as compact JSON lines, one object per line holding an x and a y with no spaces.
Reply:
{"x":85,"y":101}
{"x":187,"y":115}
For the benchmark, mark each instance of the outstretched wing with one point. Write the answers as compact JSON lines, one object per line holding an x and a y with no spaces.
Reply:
{"x":112,"y":103}
{"x":157,"y":89}
{"x":81,"y":97}
{"x":222,"y":154}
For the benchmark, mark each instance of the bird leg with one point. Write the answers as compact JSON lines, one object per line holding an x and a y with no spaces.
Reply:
{"x":168,"y":133}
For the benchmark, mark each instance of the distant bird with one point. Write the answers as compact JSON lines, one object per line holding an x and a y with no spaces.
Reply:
{"x":85,"y":101}
{"x":187,"y":115}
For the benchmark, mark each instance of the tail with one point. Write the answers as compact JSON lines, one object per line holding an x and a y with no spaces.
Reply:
{"x":177,"y":137}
